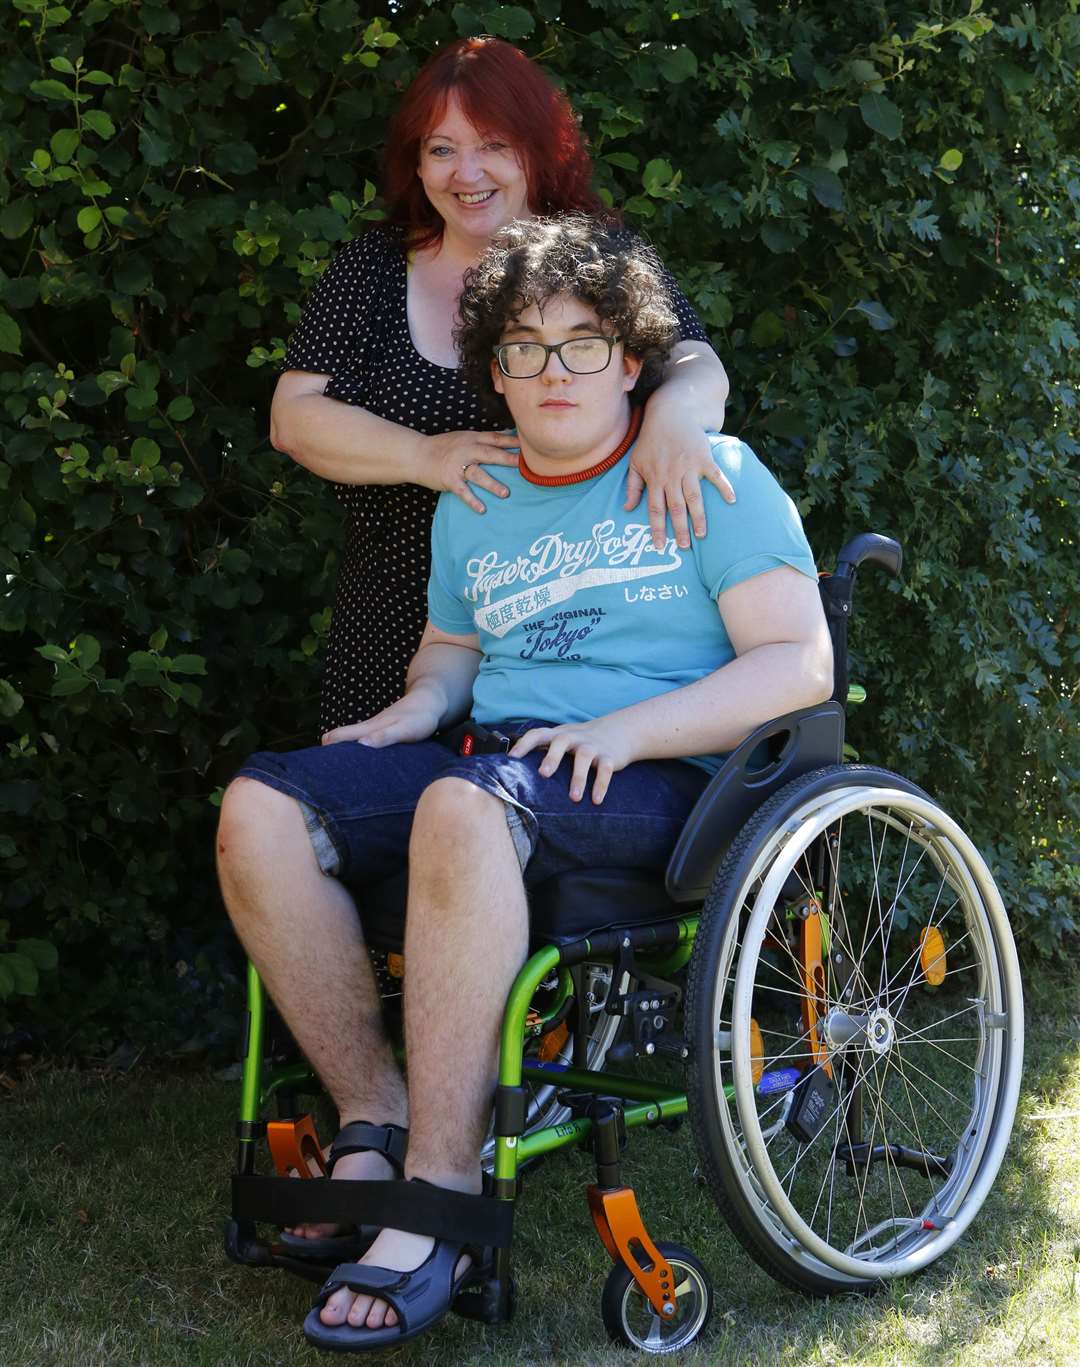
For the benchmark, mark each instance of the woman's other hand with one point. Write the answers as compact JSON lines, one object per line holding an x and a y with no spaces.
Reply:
{"x":411,"y":718}
{"x":454,"y":461}
{"x":670,"y":459}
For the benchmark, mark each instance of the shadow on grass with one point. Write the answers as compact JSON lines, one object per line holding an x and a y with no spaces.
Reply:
{"x":116,"y":1187}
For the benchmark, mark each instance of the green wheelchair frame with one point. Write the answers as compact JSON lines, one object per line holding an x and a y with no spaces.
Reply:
{"x":778,"y":884}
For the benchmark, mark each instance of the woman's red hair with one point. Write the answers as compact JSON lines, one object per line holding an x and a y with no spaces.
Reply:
{"x":501,"y":91}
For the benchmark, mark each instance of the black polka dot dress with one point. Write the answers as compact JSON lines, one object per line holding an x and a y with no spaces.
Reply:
{"x":356,"y":330}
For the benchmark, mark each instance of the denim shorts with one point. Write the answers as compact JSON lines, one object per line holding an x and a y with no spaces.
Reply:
{"x":359,"y":802}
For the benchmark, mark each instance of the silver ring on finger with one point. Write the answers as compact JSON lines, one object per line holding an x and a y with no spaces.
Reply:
{"x":465,"y":467}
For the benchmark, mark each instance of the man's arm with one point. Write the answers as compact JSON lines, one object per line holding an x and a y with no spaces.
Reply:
{"x":438,"y":691}
{"x":783,"y":662}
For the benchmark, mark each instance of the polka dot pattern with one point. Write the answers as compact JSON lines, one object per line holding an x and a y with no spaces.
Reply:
{"x":356,"y":330}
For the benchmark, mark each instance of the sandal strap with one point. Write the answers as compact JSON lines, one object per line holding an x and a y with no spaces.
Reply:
{"x":434,"y":1278}
{"x":359,"y":1136}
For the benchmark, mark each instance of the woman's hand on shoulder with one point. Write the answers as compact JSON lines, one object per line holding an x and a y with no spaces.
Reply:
{"x":670,"y":458}
{"x":455,"y":460}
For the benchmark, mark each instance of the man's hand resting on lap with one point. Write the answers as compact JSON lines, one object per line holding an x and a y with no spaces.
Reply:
{"x":604,"y":743}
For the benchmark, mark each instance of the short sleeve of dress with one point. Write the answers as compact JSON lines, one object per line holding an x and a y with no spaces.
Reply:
{"x":761,"y":531}
{"x":690,"y":329}
{"x":331,"y":336}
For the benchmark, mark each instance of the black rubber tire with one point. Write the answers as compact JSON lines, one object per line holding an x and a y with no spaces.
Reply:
{"x":701,"y":1090}
{"x":619,"y":1281}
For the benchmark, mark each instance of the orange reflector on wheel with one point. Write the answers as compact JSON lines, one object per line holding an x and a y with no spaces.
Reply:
{"x":932,"y":955}
{"x":757,"y":1052}
{"x":552,"y":1043}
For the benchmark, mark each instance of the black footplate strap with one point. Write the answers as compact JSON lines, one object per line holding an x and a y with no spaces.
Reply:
{"x":415,"y":1207}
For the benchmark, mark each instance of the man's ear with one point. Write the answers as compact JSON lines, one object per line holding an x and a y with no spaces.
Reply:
{"x":497,"y":378}
{"x":631,"y":370}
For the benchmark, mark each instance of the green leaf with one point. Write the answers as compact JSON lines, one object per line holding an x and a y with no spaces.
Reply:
{"x":825,"y":185}
{"x":52,"y":90}
{"x":510,"y":21}
{"x":159,"y":639}
{"x":23,"y":970}
{"x":69,"y":682}
{"x":626,"y":161}
{"x":951,"y":160}
{"x":40,"y":952}
{"x":88,"y":218}
{"x":145,"y":452}
{"x":10,"y":334}
{"x":879,"y":318}
{"x":97,"y":78}
{"x":880,"y":114}
{"x":88,"y":651}
{"x":7,"y":980}
{"x":62,"y":65}
{"x":54,"y":653}
{"x":63,"y":143}
{"x":188,"y":664}
{"x":180,"y":409}
{"x":678,"y":64}
{"x":235,"y":158}
{"x":11,"y":700}
{"x":767,"y":329}
{"x":17,"y":217}
{"x":154,"y":149}
{"x":656,"y":177}
{"x":100,"y":122}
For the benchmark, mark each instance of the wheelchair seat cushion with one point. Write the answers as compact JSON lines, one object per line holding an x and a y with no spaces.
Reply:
{"x":562,"y":909}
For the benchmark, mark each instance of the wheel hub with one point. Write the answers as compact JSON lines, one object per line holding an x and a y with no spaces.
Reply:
{"x":881,"y":1031}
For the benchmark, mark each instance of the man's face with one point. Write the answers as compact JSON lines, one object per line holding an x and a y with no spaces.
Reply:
{"x":562,"y":416}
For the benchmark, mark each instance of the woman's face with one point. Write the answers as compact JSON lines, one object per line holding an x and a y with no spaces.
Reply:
{"x":474,"y":180}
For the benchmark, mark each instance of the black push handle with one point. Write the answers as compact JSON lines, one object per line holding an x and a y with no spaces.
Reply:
{"x":883,"y":550}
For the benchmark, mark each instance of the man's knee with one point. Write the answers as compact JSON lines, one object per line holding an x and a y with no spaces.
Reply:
{"x":454,"y":812}
{"x":253,"y":817}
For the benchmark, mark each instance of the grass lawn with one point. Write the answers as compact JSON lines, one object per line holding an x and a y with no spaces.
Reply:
{"x":114,"y":1189}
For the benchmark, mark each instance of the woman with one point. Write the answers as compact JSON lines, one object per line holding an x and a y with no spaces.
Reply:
{"x":371,"y":397}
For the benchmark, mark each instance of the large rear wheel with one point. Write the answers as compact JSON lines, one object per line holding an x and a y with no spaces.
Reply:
{"x":856,"y":1013}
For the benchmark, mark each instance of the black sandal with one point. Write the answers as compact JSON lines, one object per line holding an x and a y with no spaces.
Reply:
{"x":420,"y":1299}
{"x":356,"y":1137}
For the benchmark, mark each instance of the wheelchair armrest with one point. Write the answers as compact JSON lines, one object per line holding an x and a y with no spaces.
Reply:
{"x":795,"y":744}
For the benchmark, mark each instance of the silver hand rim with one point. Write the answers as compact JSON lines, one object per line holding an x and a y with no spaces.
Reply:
{"x":970,"y":1182}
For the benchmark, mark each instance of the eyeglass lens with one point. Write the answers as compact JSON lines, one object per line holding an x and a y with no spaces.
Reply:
{"x":580,"y":355}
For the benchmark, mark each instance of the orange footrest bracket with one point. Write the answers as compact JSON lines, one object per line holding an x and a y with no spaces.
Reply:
{"x":292,"y":1144}
{"x":618,"y":1222}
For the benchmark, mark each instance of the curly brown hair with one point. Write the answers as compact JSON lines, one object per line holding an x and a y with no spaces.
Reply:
{"x":532,"y":261}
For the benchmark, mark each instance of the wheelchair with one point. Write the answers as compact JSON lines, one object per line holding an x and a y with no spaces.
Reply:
{"x":827,"y":960}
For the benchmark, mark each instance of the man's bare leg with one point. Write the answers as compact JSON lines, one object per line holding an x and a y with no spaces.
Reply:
{"x":466,"y":937}
{"x":302,"y":932}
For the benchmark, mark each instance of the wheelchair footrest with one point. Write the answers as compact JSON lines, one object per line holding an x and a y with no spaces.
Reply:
{"x":618,"y":1222}
{"x":294,"y":1145}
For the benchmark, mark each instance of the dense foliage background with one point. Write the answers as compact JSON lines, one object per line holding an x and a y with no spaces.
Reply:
{"x":876,"y":209}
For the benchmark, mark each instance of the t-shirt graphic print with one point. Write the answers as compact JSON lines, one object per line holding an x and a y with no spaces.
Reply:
{"x":577,"y":613}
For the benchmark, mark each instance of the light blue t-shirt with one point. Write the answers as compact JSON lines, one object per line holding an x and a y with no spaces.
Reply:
{"x":577,"y":613}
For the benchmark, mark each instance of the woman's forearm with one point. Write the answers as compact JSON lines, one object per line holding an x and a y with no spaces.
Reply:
{"x":695,"y":383}
{"x":341,"y":442}
{"x":713,"y":715}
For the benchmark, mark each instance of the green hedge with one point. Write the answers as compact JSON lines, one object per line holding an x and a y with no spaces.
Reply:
{"x":877,"y":213}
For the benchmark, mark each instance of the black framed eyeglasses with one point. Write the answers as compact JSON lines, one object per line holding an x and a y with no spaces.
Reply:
{"x":580,"y":355}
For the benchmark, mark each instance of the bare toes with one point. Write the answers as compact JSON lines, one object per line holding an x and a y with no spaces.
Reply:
{"x":359,"y":1312}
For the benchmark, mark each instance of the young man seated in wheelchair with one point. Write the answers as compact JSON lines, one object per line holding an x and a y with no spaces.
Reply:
{"x":617,"y":671}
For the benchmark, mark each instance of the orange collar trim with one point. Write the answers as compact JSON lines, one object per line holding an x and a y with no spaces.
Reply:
{"x":600,"y":468}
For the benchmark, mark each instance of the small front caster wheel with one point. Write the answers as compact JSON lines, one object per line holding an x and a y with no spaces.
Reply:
{"x":631,"y":1320}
